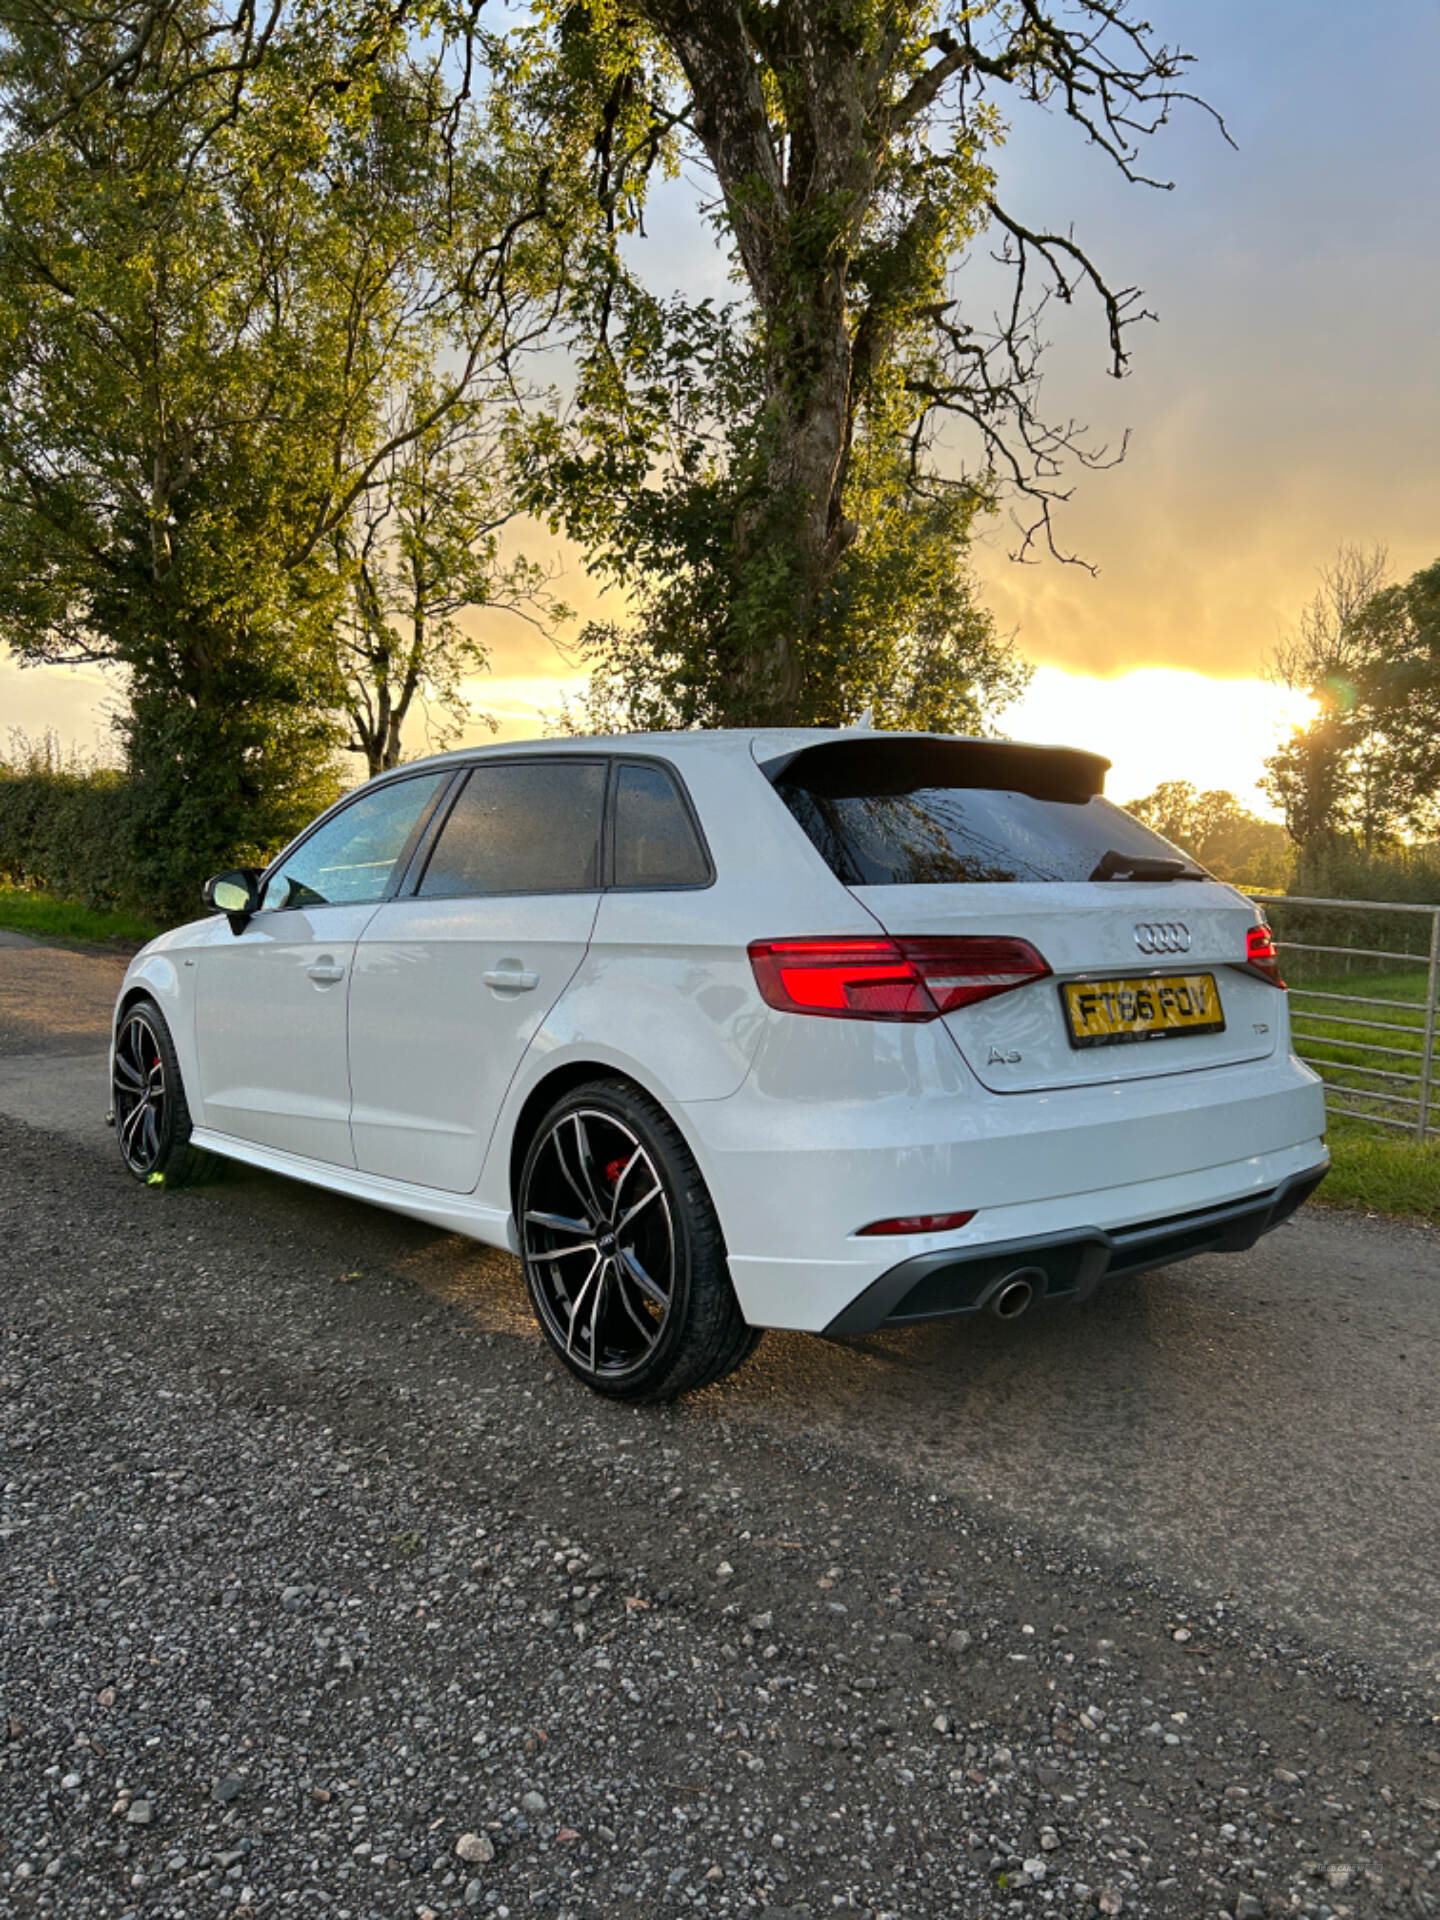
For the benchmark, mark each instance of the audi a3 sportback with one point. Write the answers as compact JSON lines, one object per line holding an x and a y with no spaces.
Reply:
{"x":724,"y":1031}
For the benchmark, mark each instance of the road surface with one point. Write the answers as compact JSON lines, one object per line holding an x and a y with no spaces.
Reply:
{"x":1214,"y":1484}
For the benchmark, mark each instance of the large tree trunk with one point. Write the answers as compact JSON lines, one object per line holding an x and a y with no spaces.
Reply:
{"x":795,"y":223}
{"x":798,"y":512}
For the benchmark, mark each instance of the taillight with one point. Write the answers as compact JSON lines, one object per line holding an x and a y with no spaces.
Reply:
{"x":916,"y":1223}
{"x":1260,"y":954}
{"x":903,"y":979}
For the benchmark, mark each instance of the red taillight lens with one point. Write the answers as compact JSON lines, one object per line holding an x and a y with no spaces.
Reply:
{"x":905,"y":979}
{"x":1260,"y":954}
{"x":917,"y":1223}
{"x":957,"y":973}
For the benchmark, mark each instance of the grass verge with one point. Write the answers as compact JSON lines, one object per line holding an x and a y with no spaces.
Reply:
{"x":1374,"y":1174}
{"x":25,"y":910}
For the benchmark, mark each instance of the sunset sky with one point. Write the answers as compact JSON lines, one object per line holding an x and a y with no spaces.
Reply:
{"x":1287,"y":400}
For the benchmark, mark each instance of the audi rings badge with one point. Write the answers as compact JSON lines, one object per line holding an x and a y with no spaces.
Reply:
{"x":1162,"y":936}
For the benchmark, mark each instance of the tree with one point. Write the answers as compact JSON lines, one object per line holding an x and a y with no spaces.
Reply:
{"x":856,"y":149}
{"x":423,"y":547}
{"x":204,"y":318}
{"x":1367,"y":767}
{"x":1226,"y":838}
{"x":1399,"y":687}
{"x":900,"y":630}
{"x":1320,"y":773}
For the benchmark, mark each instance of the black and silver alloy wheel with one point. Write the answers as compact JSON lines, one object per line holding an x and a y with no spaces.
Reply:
{"x":147,"y":1096}
{"x":599,"y":1239}
{"x":624,"y":1260}
{"x":140,"y":1094}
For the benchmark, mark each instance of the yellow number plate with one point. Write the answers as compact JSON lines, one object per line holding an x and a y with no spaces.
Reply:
{"x":1102,"y":1013}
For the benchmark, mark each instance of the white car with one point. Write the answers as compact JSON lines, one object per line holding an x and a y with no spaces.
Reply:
{"x":724,"y":1031}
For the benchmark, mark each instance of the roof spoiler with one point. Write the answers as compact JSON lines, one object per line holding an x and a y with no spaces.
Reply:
{"x":899,"y":763}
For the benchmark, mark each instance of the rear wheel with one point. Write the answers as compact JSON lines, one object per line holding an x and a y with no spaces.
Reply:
{"x":152,"y":1119}
{"x":624,"y":1259}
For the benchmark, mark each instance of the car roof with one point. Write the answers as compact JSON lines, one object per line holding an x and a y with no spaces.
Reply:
{"x":761,"y":743}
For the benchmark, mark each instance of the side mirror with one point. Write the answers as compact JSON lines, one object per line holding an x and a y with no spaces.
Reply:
{"x":236,"y":893}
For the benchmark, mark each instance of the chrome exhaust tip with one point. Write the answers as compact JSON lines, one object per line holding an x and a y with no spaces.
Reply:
{"x":1015,"y":1292}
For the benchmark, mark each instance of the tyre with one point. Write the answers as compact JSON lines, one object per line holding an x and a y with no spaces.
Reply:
{"x":624,"y":1259}
{"x":152,"y":1120}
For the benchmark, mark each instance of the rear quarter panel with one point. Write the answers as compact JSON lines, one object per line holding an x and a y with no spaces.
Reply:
{"x":665,"y":994}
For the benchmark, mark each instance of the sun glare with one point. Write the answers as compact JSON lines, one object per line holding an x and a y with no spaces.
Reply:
{"x":1159,"y":723}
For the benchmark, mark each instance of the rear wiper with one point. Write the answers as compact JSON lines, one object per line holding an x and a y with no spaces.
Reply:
{"x":1142,"y":866}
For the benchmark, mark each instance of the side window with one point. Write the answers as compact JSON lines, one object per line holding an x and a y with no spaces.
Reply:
{"x":521,"y":826}
{"x":655,"y":840}
{"x":349,"y":861}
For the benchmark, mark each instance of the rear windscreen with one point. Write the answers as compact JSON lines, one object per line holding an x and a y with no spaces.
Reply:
{"x":942,"y":835}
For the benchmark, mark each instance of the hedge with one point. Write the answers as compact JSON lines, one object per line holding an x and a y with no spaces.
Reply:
{"x":65,"y":826}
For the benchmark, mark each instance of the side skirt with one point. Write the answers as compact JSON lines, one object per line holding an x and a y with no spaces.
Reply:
{"x":454,"y":1212}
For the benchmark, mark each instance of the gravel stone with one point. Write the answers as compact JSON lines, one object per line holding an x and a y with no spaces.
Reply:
{"x":301,"y":1539}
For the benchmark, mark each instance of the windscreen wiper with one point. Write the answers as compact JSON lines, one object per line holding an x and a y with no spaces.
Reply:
{"x":1143,"y":866}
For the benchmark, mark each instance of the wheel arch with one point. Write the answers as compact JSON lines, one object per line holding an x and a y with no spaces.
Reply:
{"x":553,"y":1086}
{"x":156,"y":978}
{"x":137,"y":990}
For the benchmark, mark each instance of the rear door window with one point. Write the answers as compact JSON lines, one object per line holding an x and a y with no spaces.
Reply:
{"x":656,"y":844}
{"x":521,"y":826}
{"x":878,"y":828}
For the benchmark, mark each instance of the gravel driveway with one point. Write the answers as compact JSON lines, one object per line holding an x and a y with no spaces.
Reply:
{"x":322,"y":1592}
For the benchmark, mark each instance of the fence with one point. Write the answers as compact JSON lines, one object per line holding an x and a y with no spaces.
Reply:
{"x":1399,"y":971}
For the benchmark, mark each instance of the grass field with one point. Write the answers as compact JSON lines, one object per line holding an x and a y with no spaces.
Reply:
{"x":25,"y":910}
{"x":1377,"y":1169}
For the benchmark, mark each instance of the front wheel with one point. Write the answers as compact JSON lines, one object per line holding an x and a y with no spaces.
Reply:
{"x":152,"y":1119}
{"x":624,"y":1258}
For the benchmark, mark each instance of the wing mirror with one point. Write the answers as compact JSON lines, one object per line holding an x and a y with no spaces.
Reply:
{"x":236,"y":894}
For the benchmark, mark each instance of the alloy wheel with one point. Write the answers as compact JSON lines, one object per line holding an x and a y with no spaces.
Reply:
{"x":141,"y":1097}
{"x":599,"y":1242}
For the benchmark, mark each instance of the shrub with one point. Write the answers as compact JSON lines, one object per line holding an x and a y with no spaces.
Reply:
{"x":65,"y":824}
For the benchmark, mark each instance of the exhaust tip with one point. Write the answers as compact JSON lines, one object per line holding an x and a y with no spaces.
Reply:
{"x":1015,"y":1292}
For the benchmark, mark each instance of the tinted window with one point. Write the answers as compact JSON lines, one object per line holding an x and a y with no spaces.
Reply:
{"x":521,"y":826}
{"x":942,"y":835}
{"x":349,"y":861}
{"x":655,"y":841}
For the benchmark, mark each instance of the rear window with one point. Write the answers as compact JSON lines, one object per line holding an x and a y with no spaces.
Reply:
{"x":877,"y":826}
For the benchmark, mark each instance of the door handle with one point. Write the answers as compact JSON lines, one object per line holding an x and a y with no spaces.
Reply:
{"x":325,"y":973}
{"x":511,"y":979}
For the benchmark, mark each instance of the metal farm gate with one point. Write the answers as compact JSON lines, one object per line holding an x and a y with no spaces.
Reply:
{"x":1364,"y":979}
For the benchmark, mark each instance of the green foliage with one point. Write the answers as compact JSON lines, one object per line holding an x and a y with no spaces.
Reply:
{"x":1213,"y":828}
{"x":65,"y":825}
{"x":897,"y":627}
{"x":1342,"y":870}
{"x":768,"y":486}
{"x":213,"y":323}
{"x":421,"y":549}
{"x":1366,"y":769}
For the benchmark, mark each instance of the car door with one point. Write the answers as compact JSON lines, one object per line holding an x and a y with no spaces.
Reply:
{"x":270,"y":1008}
{"x":453,"y":979}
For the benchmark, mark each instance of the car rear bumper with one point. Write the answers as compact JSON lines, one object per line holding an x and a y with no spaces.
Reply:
{"x":1063,"y":1268}
{"x":795,"y":1180}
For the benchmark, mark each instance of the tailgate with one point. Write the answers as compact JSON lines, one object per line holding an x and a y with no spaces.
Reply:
{"x":1020,"y":1042}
